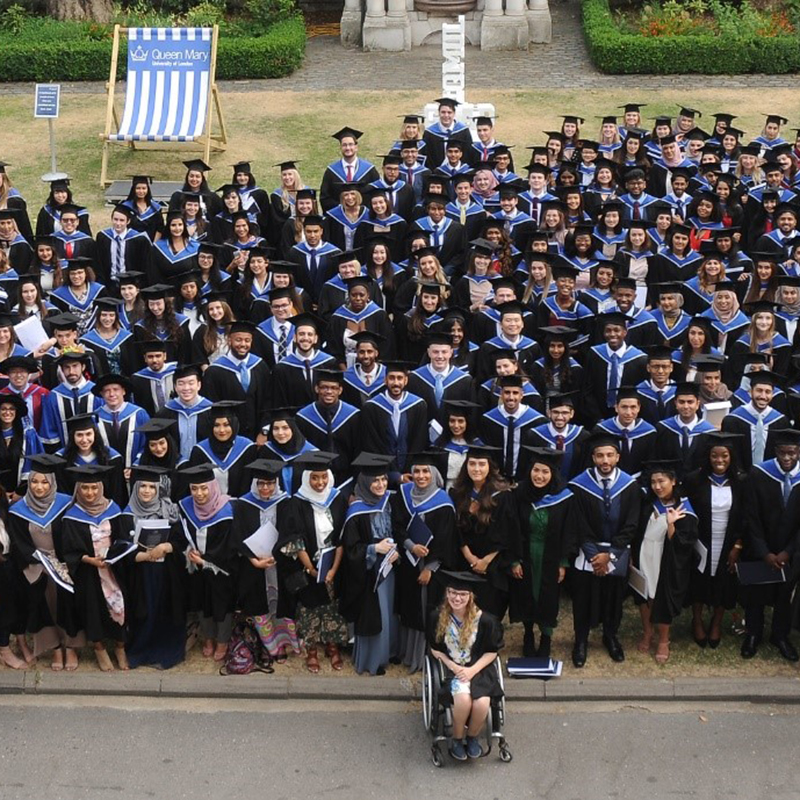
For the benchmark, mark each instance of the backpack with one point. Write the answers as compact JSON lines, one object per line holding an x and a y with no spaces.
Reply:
{"x":245,"y":653}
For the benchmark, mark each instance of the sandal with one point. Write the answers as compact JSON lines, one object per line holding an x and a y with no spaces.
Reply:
{"x":11,"y":659}
{"x":208,"y":648}
{"x":280,"y":657}
{"x":312,"y":661}
{"x":71,"y":663}
{"x":221,"y":651}
{"x":57,"y":663}
{"x":332,"y":651}
{"x":103,"y":660}
{"x":644,"y":644}
{"x":122,"y":658}
{"x":662,"y":652}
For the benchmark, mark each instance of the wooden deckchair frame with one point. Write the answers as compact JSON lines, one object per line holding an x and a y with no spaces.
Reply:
{"x":210,"y":139}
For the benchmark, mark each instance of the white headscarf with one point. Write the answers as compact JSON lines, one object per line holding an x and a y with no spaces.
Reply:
{"x":323,"y":519}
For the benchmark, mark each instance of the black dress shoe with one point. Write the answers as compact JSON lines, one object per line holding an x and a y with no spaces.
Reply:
{"x":544,"y":647}
{"x":786,"y":649}
{"x":614,"y":648}
{"x":702,"y":642}
{"x":579,"y":654}
{"x":713,"y":643}
{"x":749,"y":645}
{"x":528,"y":645}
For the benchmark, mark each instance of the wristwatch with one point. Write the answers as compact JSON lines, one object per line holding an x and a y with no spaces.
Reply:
{"x":611,"y":557}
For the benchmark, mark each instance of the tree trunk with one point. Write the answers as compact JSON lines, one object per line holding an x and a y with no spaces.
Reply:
{"x":80,"y":10}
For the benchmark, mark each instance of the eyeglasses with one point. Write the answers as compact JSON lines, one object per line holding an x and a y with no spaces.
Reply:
{"x":458,"y":595}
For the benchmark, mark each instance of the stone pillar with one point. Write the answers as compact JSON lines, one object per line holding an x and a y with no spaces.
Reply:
{"x":507,"y":31}
{"x":540,"y":25}
{"x":493,"y":8}
{"x":376,"y":8}
{"x":397,"y":8}
{"x":382,"y":32}
{"x":351,"y":23}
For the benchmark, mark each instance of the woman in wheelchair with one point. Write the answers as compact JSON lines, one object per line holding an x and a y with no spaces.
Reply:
{"x":466,"y":641}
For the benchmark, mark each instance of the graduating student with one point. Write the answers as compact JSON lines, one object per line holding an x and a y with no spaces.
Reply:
{"x":772,"y":516}
{"x":240,"y":375}
{"x":544,"y":507}
{"x":121,"y":248}
{"x":21,"y":371}
{"x":562,"y":435}
{"x":78,"y":292}
{"x":195,"y":182}
{"x":446,"y":129}
{"x":157,"y":613}
{"x":207,"y":516}
{"x":371,"y":554}
{"x":509,"y":426}
{"x":717,"y":493}
{"x":71,"y":240}
{"x":49,"y":220}
{"x":438,"y":380}
{"x":395,"y":420}
{"x":175,"y":253}
{"x":682,"y":437}
{"x":365,"y":378}
{"x":257,"y":575}
{"x":161,"y":322}
{"x":637,"y":437}
{"x":757,"y":422}
{"x":399,"y":192}
{"x":314,"y":259}
{"x":657,"y":393}
{"x":18,"y":441}
{"x":556,"y":371}
{"x":510,"y":337}
{"x":146,"y":213}
{"x":342,"y":223}
{"x":274,"y":334}
{"x":283,"y":441}
{"x":330,"y":424}
{"x":153,"y":385}
{"x":316,"y":517}
{"x":293,"y":377}
{"x":446,"y":235}
{"x":423,"y":511}
{"x":607,"y":506}
{"x":118,"y":418}
{"x":349,"y":169}
{"x":113,"y":344}
{"x":611,"y":365}
{"x":161,"y":450}
{"x":189,"y":410}
{"x":225,"y":451}
{"x":663,"y":551}
{"x":91,"y":533}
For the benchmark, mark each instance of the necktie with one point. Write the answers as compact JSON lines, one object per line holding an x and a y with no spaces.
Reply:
{"x":438,"y":389}
{"x":685,"y":443}
{"x":511,"y":424}
{"x":244,"y":375}
{"x":76,"y":402}
{"x":613,"y":381}
{"x":760,"y":442}
{"x":660,"y":401}
{"x":118,"y":266}
{"x":349,"y":173}
{"x":768,"y":226}
{"x":115,"y":424}
{"x":436,"y":236}
{"x":410,"y":173}
{"x":626,"y":442}
{"x":559,"y":442}
{"x":367,"y":380}
{"x":68,"y":249}
{"x":312,"y":263}
{"x":463,"y":213}
{"x":308,"y":372}
{"x":396,"y":415}
{"x":637,"y":213}
{"x":282,"y":339}
{"x":161,"y":395}
{"x":535,"y":209}
{"x":485,"y":156}
{"x":607,"y":496}
{"x":787,"y":487}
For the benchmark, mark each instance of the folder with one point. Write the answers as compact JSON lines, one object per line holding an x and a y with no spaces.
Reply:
{"x":755,"y":573}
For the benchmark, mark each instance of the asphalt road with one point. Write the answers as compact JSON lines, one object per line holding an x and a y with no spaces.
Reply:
{"x":70,"y":749}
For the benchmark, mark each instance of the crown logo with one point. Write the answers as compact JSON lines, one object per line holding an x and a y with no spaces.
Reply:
{"x":139,"y":54}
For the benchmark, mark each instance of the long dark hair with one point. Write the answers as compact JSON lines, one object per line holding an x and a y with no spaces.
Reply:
{"x":11,"y":449}
{"x":150,"y":322}
{"x":487,"y":500}
{"x":99,"y":449}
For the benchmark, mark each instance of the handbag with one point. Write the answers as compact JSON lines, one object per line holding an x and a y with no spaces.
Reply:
{"x":296,"y":582}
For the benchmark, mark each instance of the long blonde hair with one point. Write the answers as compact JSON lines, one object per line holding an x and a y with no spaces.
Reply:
{"x":471,"y":615}
{"x":285,"y":194}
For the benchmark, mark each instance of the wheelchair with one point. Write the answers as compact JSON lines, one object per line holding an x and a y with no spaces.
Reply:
{"x":438,"y":719}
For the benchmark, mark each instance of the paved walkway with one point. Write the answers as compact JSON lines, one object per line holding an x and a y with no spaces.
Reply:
{"x":562,"y":64}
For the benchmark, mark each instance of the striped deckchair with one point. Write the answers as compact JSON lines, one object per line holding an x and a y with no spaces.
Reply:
{"x":170,"y":92}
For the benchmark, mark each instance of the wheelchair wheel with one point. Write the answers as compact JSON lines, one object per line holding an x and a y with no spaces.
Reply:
{"x":428,"y":699}
{"x":436,"y":756}
{"x":505,"y":753}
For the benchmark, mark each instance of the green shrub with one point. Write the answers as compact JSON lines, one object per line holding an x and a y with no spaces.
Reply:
{"x":620,"y":52}
{"x":205,"y":14}
{"x":46,"y":50}
{"x":14,"y":18}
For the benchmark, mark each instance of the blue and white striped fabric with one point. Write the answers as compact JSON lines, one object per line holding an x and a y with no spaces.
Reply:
{"x":169,"y":78}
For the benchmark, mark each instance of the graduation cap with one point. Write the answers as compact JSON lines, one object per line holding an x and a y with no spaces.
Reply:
{"x":315,"y":460}
{"x":243,"y":167}
{"x":392,"y":157}
{"x":197,"y":165}
{"x":359,"y":280}
{"x":431,"y":287}
{"x":600,"y":438}
{"x":439,"y":337}
{"x":3,"y":165}
{"x":82,"y":422}
{"x":428,"y":458}
{"x":666,"y":466}
{"x":630,"y":107}
{"x":668,"y":139}
{"x":454,"y":143}
{"x":484,"y":451}
{"x":108,"y":304}
{"x":306,"y":193}
{"x":483,"y":246}
{"x":399,"y":366}
{"x":628,"y":393}
{"x":785,"y":436}
{"x":278,"y":267}
{"x":79,"y":262}
{"x":459,"y":581}
{"x":17,"y":401}
{"x":548,"y":456}
{"x":64,"y":322}
{"x":413,"y":119}
{"x":158,"y":291}
{"x":696,"y":134}
{"x":110,"y":379}
{"x":90,"y":473}
{"x":558,"y":333}
{"x":723,"y":438}
{"x":722,"y":116}
{"x":8,"y":319}
{"x":626,"y":283}
{"x":635,"y":133}
{"x":439,"y":199}
{"x":510,"y":381}
{"x":503,"y":354}
{"x":691,"y":113}
{"x":123,"y":209}
{"x":373,"y":464}
{"x":764,"y":376}
{"x":669,"y":287}
{"x":186,"y":371}
{"x":266,"y":468}
{"x":563,"y":269}
{"x":447,"y":101}
{"x":60,"y":183}
{"x":347,"y":256}
{"x":709,"y":363}
{"x":687,"y":387}
{"x":46,"y":463}
{"x":368,"y":337}
{"x":154,"y":345}
{"x":282,"y":413}
{"x":659,"y":352}
{"x":284,"y":165}
{"x":558,"y":399}
{"x":776,"y":118}
{"x":280,"y":293}
{"x":156,"y":428}
{"x":573,"y":118}
{"x":202,"y":473}
{"x":328,"y":376}
{"x":242,"y":326}
{"x":128,"y":278}
{"x":225,"y":408}
{"x":308,"y":319}
{"x":147,"y":473}
{"x":460,"y":408}
{"x":760,"y":307}
{"x":343,"y":133}
{"x":541,"y":169}
{"x":27,"y":363}
{"x":463,"y":177}
{"x":72,"y":355}
{"x":662,"y":120}
{"x":409,"y":144}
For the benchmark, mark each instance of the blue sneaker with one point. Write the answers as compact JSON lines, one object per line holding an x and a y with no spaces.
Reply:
{"x":457,"y":750}
{"x":474,"y":749}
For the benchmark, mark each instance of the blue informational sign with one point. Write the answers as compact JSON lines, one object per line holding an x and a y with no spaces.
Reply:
{"x":48,"y":100}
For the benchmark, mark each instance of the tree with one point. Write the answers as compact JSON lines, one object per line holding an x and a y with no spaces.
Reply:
{"x":80,"y":10}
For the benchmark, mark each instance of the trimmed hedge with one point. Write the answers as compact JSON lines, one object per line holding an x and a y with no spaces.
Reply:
{"x":277,"y":53}
{"x":616,"y":52}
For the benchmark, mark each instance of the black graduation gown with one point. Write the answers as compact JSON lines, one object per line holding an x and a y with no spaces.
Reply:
{"x":345,"y":439}
{"x":251,"y":585}
{"x":291,"y":385}
{"x":375,"y":323}
{"x":459,"y":387}
{"x":721,"y":588}
{"x":378,"y":434}
{"x":524,"y":606}
{"x":137,"y":254}
{"x":500,"y":536}
{"x":300,"y":525}
{"x":597,"y":369}
{"x":89,"y":599}
{"x":34,"y":603}
{"x":739,"y":425}
{"x":677,"y":564}
{"x":234,"y":464}
{"x":212,"y":594}
{"x":488,"y":640}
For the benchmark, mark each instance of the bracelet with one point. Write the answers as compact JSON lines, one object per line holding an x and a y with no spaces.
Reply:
{"x":738,"y":546}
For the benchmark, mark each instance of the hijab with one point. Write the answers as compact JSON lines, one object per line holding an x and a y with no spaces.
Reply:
{"x":529,"y":493}
{"x":420,"y":496}
{"x":160,"y":507}
{"x":294,"y":446}
{"x":323,"y":519}
{"x":96,"y":508}
{"x":363,"y":490}
{"x":215,"y":503}
{"x":218,"y":448}
{"x":169,"y":461}
{"x":792,"y":309}
{"x":727,"y":316}
{"x":40,"y":505}
{"x":490,"y":190}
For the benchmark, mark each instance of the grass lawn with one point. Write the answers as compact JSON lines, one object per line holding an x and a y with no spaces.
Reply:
{"x":268,"y":127}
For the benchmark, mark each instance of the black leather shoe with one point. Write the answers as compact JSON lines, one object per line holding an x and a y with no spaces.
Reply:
{"x":579,"y":654}
{"x":528,"y":645}
{"x":749,"y":645}
{"x":614,"y":648}
{"x":544,"y":647}
{"x":786,"y":649}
